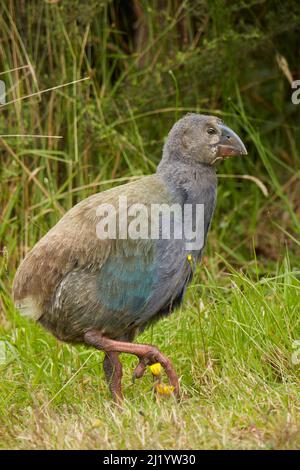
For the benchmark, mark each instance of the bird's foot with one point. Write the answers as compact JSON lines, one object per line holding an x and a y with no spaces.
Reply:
{"x":156,"y":360}
{"x":140,"y":370}
{"x":147,"y":354}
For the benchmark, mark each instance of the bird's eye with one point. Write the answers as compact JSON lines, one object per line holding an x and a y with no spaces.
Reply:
{"x":211,"y":131}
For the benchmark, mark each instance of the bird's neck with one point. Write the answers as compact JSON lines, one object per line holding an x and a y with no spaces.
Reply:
{"x":187,"y":180}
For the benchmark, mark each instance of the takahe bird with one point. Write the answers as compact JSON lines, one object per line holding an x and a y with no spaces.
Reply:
{"x":104,"y":291}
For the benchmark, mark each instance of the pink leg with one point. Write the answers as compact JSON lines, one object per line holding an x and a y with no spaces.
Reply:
{"x":113,"y":374}
{"x":145,"y":352}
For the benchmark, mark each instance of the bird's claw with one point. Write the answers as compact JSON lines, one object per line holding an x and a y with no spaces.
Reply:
{"x":157,"y":363}
{"x":140,"y":369}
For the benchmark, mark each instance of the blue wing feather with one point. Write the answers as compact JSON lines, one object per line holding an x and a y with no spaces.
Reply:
{"x":126,"y":283}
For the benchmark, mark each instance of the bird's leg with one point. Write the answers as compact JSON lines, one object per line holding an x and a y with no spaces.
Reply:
{"x":146,"y":353}
{"x":113,"y":373}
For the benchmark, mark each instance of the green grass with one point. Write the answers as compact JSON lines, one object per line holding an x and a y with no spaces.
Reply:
{"x":233,"y":352}
{"x":233,"y":340}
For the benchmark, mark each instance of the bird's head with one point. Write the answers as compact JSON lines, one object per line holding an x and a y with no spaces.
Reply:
{"x":203,"y":139}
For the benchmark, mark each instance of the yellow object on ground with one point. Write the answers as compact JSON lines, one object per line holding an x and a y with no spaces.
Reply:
{"x":165,"y":390}
{"x":156,"y":369}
